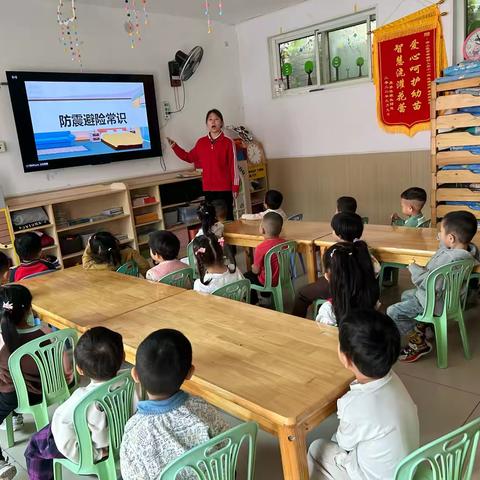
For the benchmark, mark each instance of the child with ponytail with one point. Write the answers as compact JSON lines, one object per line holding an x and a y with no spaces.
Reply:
{"x":103,"y":253}
{"x":210,"y":256}
{"x":207,"y":214}
{"x":351,"y":277}
{"x":17,"y":328}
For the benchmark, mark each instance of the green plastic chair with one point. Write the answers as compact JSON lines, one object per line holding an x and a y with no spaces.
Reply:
{"x":316,"y":306}
{"x":283,"y":251}
{"x":129,"y":268}
{"x":239,"y":290}
{"x":451,"y":280}
{"x":182,"y":278}
{"x":450,"y":457}
{"x":47,"y":352}
{"x":365,"y":220}
{"x":425,"y":224}
{"x":217,"y":459}
{"x":395,"y":268}
{"x":115,"y":398}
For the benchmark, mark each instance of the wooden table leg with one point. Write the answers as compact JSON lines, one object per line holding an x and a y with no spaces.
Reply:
{"x":293,"y":448}
{"x":309,"y":252}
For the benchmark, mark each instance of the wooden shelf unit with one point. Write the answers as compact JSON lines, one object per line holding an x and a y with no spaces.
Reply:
{"x":154,"y":186}
{"x":90,"y":201}
{"x":447,"y":131}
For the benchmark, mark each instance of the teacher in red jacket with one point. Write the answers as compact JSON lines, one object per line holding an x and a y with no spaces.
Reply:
{"x":215,"y":154}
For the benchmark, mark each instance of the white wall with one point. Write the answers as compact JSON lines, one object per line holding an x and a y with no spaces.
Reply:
{"x":29,"y":41}
{"x":336,"y":121}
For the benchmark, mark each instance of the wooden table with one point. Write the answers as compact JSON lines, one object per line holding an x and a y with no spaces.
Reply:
{"x":75,"y":297}
{"x":397,"y":244}
{"x":254,"y":363}
{"x":246,"y":233}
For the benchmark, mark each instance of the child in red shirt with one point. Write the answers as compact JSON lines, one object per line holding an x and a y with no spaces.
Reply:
{"x":270,"y":228}
{"x":29,"y":248}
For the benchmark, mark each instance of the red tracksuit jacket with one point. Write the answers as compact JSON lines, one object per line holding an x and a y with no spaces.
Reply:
{"x":218,"y":160}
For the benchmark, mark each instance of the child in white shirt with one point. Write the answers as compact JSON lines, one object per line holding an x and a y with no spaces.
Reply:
{"x":213,"y":272}
{"x":272,"y":203}
{"x":99,"y":355}
{"x":349,"y":271}
{"x":378,"y":419}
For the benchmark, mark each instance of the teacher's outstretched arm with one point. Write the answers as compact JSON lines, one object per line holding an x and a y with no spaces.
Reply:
{"x":190,"y":157}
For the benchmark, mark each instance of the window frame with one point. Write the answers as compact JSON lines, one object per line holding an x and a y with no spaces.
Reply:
{"x":316,"y":30}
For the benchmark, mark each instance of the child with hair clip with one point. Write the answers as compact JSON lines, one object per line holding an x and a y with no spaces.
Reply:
{"x":17,"y":328}
{"x":103,"y":253}
{"x":208,"y":217}
{"x":210,"y":257}
{"x":349,"y":272}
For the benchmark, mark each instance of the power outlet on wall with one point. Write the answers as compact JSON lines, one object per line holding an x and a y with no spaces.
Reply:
{"x":167,"y":110}
{"x":3,"y":146}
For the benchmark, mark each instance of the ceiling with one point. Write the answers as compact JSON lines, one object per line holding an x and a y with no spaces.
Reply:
{"x":234,"y":11}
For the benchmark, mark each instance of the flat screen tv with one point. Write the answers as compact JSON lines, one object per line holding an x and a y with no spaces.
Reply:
{"x":72,"y":119}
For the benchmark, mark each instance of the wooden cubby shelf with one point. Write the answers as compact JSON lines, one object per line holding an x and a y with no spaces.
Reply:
{"x":174,"y":189}
{"x":453,"y":185}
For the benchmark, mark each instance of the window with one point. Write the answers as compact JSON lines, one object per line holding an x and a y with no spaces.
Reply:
{"x":323,"y":55}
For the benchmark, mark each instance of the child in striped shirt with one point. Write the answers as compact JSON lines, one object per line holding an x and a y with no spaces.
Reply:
{"x":171,"y":421}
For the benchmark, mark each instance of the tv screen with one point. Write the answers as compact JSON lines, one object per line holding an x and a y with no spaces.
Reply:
{"x":72,"y":119}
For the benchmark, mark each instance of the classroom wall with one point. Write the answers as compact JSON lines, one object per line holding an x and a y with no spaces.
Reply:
{"x":29,"y":41}
{"x":328,"y":143}
{"x":375,"y":180}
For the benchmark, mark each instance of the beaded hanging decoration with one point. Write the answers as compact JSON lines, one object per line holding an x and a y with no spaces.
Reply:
{"x":69,"y":32}
{"x":132,"y":25}
{"x":207,"y":13}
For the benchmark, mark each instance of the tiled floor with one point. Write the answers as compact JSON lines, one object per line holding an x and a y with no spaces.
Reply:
{"x":446,"y":399}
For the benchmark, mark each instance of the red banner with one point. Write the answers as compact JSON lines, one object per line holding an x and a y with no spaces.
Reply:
{"x":406,"y":69}
{"x":408,"y":55}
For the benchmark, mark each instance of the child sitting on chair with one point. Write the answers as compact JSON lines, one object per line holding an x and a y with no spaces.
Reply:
{"x":170,"y":422}
{"x":349,"y":271}
{"x":17,"y":328}
{"x":412,"y":201}
{"x":29,"y":249}
{"x":456,"y":233}
{"x":103,"y":253}
{"x":207,"y":214}
{"x":99,"y":355}
{"x":273,"y":202}
{"x":270,"y":228}
{"x":378,"y":419}
{"x":164,"y":248}
{"x":347,"y":227}
{"x":213,"y":271}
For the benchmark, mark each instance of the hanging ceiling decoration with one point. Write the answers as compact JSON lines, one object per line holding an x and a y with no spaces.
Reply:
{"x":69,"y":32}
{"x":133,"y":22}
{"x":207,"y":13}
